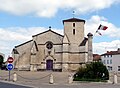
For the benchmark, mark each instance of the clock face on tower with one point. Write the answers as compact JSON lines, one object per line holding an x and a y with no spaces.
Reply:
{"x":49,"y":45}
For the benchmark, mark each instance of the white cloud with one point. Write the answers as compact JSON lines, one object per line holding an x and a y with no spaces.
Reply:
{"x":48,"y":8}
{"x":22,"y":34}
{"x":10,"y":37}
{"x":102,"y":47}
{"x":13,"y":36}
{"x":112,"y":32}
{"x":93,"y":23}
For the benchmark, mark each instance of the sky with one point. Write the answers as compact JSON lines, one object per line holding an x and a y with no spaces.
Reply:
{"x":20,"y":19}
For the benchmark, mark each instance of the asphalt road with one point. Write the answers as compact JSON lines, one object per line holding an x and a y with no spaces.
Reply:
{"x":83,"y":85}
{"x":41,"y":80}
{"x":8,"y":85}
{"x":77,"y":85}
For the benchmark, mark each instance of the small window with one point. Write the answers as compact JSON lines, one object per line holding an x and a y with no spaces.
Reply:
{"x":104,"y":62}
{"x":107,"y":61}
{"x":104,"y":56}
{"x":110,"y":61}
{"x":73,"y":31}
{"x":118,"y":68}
{"x":73,"y":24}
{"x":111,"y":55}
{"x":109,"y":68}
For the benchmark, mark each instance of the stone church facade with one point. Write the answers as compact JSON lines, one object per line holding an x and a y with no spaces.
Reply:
{"x":52,"y":51}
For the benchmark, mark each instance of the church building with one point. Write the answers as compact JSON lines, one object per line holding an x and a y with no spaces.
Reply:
{"x":50,"y":50}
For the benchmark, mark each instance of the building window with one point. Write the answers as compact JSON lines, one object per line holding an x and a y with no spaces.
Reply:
{"x":104,"y":56}
{"x":49,"y":45}
{"x":118,"y":68}
{"x":109,"y":68}
{"x":73,"y":31}
{"x":107,"y":61}
{"x":110,"y":61}
{"x":73,"y":24}
{"x":111,"y":55}
{"x":104,"y":62}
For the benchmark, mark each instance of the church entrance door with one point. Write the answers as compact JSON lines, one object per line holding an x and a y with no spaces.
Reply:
{"x":49,"y":64}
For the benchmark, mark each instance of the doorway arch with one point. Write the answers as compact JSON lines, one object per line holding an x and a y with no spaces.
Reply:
{"x":49,"y":64}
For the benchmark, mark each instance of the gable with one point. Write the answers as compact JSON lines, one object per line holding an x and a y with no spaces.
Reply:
{"x":23,"y":49}
{"x":34,"y":48}
{"x":25,"y":43}
{"x":46,"y":32}
{"x":49,"y":35}
{"x":66,"y":39}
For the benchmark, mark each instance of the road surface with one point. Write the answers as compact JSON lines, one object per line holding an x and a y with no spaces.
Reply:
{"x":9,"y":85}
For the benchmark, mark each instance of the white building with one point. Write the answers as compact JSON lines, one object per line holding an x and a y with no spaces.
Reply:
{"x":112,"y":60}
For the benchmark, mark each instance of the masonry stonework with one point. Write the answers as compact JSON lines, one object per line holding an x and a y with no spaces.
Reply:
{"x":52,"y":51}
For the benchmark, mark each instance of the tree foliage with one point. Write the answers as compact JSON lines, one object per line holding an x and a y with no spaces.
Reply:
{"x":94,"y":70}
{"x":1,"y":61}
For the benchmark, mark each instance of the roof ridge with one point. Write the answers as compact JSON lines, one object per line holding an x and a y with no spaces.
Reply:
{"x":47,"y":31}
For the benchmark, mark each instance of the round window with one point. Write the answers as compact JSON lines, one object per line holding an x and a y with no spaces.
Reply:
{"x":49,"y":45}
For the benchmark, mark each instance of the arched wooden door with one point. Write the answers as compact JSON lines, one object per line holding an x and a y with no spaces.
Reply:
{"x":49,"y":65}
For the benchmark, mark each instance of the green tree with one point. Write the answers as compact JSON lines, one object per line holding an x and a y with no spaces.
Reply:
{"x":94,"y":70}
{"x":1,"y":60}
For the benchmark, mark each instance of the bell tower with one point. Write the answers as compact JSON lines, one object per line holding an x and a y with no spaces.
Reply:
{"x":74,"y":30}
{"x":73,"y":36}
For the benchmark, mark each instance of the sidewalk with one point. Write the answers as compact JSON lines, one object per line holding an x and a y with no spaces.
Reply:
{"x":36,"y":78}
{"x":42,"y":78}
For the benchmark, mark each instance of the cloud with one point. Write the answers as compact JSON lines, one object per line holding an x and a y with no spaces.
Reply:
{"x":93,"y":23}
{"x":7,"y":35}
{"x":112,"y":32}
{"x":48,"y":8}
{"x":102,"y":47}
{"x":13,"y":36}
{"x":22,"y":34}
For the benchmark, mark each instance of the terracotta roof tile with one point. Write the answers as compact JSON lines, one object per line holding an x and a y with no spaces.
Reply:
{"x":96,"y":57}
{"x":111,"y":53}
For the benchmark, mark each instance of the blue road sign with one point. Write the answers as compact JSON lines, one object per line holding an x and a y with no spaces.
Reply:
{"x":10,"y":67}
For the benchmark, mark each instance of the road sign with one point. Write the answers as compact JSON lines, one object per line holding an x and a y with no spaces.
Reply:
{"x":10,"y":67}
{"x":10,"y":59}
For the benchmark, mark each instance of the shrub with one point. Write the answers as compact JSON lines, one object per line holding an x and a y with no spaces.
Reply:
{"x":92,"y":71}
{"x":1,"y":61}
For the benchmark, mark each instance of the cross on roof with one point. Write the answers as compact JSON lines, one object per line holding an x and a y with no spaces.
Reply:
{"x":73,"y":13}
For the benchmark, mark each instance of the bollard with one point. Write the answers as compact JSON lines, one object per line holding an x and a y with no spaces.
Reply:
{"x":70,"y":79}
{"x":115,"y":79}
{"x":51,"y":79}
{"x":14,"y":77}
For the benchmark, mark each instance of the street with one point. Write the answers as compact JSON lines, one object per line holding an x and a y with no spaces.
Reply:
{"x":8,"y":85}
{"x":81,"y":85}
{"x":41,"y":80}
{"x":78,"y":85}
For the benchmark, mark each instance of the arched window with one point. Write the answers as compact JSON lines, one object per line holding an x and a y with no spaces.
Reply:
{"x":49,"y":45}
{"x":73,"y":31}
{"x":73,"y":24}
